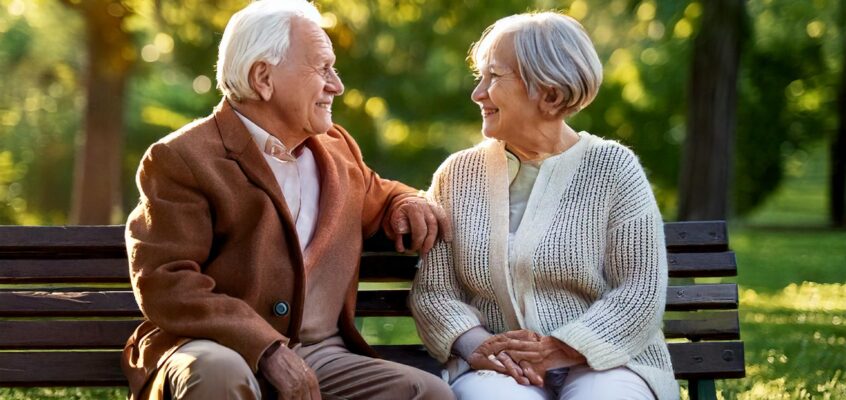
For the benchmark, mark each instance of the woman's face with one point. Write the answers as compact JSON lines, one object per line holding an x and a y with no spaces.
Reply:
{"x":507,"y":111}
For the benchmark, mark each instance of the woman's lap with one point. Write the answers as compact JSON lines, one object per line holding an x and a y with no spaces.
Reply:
{"x":581,"y":383}
{"x":494,"y":386}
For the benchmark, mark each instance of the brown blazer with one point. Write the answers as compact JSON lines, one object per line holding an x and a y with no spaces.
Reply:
{"x":213,"y":250}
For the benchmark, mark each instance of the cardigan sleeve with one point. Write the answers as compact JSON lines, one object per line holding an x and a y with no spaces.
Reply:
{"x":621,"y":323}
{"x":437,"y":301}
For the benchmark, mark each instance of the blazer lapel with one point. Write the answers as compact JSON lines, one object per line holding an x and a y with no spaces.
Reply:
{"x":330,"y":201}
{"x":241,"y":148}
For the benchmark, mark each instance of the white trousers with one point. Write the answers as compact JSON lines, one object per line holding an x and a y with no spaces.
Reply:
{"x":582,"y":383}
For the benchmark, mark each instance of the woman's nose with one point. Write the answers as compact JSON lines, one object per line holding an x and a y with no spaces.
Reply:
{"x":480,"y":92}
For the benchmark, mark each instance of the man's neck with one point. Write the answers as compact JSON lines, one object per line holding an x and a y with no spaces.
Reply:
{"x":254,"y":111}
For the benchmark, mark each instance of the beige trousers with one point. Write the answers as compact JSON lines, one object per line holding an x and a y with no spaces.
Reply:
{"x":203,"y":369}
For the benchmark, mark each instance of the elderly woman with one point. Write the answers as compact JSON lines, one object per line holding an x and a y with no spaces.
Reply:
{"x":554,"y":284}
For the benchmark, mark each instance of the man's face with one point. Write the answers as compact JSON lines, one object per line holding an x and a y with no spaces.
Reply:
{"x":305,"y":82}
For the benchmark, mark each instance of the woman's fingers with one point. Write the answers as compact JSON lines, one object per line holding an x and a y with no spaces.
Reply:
{"x":530,"y":373}
{"x":530,"y":356}
{"x":512,"y":368}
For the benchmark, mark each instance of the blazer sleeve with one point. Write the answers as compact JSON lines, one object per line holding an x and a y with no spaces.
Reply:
{"x":381,"y":195}
{"x":437,"y":300}
{"x":621,"y":323}
{"x":168,"y":237}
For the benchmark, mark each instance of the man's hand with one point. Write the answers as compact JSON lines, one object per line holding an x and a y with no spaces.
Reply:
{"x":423,"y":219}
{"x":535,"y":357}
{"x":289,"y":374}
{"x":491,"y":355}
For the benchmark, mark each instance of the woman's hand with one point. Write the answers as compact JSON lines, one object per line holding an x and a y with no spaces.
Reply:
{"x":490,"y":355}
{"x":535,"y":357}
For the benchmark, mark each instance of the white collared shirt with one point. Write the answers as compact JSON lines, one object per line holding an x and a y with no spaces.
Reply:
{"x":298,"y":179}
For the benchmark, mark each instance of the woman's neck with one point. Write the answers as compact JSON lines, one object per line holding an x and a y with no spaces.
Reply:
{"x":544,"y":143}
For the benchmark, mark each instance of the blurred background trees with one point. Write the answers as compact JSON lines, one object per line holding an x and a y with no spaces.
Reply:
{"x":88,"y":85}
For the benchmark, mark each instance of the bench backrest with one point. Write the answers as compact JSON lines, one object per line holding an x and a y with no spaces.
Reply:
{"x":66,"y":308}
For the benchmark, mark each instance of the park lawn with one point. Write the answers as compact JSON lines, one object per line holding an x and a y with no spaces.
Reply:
{"x":793,"y":314}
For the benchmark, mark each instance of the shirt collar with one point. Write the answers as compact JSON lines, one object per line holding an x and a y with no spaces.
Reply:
{"x":261,"y":138}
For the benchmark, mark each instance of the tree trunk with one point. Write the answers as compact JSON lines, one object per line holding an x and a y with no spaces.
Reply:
{"x":96,"y":186}
{"x":712,"y":99}
{"x":837,"y":185}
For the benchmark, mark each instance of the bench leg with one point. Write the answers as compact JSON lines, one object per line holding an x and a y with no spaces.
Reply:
{"x":702,"y":389}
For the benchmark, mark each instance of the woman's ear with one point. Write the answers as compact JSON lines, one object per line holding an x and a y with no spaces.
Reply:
{"x":552,"y":101}
{"x":260,"y":80}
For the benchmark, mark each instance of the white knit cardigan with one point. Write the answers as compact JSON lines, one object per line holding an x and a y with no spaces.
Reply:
{"x":591,"y":264}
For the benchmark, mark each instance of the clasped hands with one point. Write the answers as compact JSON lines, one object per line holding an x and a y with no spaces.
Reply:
{"x":523,"y":355}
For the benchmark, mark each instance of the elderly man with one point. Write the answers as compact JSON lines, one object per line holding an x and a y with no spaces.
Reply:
{"x":244,"y":247}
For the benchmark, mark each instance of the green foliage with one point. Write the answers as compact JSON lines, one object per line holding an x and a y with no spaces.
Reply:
{"x":40,"y":106}
{"x":408,"y":86}
{"x":787,"y":100}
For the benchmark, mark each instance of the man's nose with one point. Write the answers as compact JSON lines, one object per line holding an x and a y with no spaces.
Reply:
{"x":335,"y":85}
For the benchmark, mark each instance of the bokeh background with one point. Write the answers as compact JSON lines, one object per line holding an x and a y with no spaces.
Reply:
{"x":88,"y":85}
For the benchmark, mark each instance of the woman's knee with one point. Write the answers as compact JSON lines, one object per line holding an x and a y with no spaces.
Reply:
{"x":492,"y":385}
{"x":613,"y":384}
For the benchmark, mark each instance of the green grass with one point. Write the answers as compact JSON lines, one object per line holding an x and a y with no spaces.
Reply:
{"x":792,"y":278}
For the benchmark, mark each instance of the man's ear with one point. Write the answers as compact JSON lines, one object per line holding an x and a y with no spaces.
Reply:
{"x":552,"y":101}
{"x":260,"y":80}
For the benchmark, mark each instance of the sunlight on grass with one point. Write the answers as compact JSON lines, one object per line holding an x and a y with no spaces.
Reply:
{"x":808,"y":296}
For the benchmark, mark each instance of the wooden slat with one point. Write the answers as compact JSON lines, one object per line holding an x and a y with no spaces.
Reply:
{"x":679,"y":298}
{"x":61,"y":369}
{"x":47,"y":334}
{"x":375,"y":267}
{"x":702,"y":360}
{"x":720,"y":296}
{"x":697,"y":236}
{"x":68,"y":304}
{"x":109,"y":270}
{"x":370,"y":303}
{"x":382,"y":303}
{"x":391,"y":267}
{"x":691,"y":265}
{"x":713,"y":360}
{"x":704,"y":326}
{"x":62,"y":241}
{"x":410,"y":354}
{"x":707,"y":360}
{"x":387,"y":267}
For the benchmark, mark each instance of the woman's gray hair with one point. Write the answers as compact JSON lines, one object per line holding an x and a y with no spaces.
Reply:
{"x":553,"y":51}
{"x":260,"y":31}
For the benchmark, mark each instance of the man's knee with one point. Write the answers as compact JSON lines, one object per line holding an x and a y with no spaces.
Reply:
{"x":203,"y":367}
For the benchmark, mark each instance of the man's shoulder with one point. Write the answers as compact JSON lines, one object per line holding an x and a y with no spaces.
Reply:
{"x":192,"y":134}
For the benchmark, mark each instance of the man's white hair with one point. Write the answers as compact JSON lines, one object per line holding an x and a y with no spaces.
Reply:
{"x":260,"y":31}
{"x":553,"y":51}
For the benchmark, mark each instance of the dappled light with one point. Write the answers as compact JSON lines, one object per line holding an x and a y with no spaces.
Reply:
{"x":407,"y":103}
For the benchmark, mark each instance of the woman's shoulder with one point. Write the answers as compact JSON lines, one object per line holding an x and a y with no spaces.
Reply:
{"x":468,"y":157}
{"x":611,"y":154}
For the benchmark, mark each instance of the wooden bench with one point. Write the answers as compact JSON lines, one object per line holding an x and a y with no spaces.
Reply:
{"x":66,"y":307}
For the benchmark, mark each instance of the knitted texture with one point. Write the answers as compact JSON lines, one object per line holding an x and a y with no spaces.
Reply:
{"x":591,"y":265}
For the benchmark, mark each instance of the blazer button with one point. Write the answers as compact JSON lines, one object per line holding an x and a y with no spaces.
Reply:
{"x":280,"y":309}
